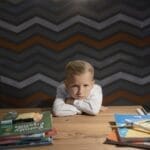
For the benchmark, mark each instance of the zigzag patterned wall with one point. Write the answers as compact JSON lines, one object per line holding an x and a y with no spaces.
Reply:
{"x":37,"y":39}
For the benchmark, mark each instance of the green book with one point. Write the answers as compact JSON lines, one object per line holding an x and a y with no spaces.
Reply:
{"x":10,"y":127}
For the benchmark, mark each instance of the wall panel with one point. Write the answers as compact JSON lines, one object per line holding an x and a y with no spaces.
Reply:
{"x":37,"y":39}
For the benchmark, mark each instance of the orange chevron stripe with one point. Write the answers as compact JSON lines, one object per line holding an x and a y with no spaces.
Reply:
{"x":58,"y":46}
{"x":126,"y":95}
{"x":24,"y":102}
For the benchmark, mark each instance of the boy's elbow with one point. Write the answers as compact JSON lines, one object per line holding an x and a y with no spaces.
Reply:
{"x":60,"y":113}
{"x":57,"y":114}
{"x":94,"y":112}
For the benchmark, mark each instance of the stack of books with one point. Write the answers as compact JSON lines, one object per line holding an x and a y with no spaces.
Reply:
{"x":130,"y":130}
{"x":26,"y":129}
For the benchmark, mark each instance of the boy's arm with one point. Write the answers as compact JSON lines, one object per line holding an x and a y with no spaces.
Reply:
{"x":93,"y":104}
{"x":60,"y":108}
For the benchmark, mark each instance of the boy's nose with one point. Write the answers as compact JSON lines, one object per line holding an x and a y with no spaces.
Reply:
{"x":80,"y":90}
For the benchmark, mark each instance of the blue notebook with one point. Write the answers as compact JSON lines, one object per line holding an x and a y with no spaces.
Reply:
{"x":132,"y":133}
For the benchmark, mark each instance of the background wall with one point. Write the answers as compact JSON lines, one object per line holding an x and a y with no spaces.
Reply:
{"x":37,"y":39}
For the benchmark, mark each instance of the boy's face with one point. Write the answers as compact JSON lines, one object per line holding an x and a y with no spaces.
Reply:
{"x":79,"y":86}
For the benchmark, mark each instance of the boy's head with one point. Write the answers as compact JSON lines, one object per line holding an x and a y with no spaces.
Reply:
{"x":79,"y":78}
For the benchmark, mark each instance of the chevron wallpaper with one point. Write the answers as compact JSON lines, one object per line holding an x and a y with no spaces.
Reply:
{"x":37,"y":39}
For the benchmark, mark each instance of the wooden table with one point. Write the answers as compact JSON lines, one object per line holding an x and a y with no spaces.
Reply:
{"x":81,"y":132}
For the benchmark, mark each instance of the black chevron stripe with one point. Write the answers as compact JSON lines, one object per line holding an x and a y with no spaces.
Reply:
{"x":27,"y":91}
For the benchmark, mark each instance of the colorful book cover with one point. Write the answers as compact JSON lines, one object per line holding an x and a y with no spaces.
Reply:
{"x":26,"y":142}
{"x":112,"y":138}
{"x":22,"y":128}
{"x":35,"y":136}
{"x":132,"y":133}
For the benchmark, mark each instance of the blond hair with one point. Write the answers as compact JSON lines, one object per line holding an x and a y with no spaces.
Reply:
{"x":77,"y":67}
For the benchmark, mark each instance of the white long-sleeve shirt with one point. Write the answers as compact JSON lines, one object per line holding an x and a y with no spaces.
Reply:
{"x":91,"y":105}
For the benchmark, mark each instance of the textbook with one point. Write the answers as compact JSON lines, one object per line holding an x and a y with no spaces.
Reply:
{"x":112,"y":138}
{"x":133,"y":127}
{"x":24,"y":126}
{"x":26,"y":142}
{"x":26,"y":129}
{"x":35,"y":136}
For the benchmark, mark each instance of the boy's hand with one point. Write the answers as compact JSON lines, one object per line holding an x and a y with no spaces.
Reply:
{"x":69,"y":101}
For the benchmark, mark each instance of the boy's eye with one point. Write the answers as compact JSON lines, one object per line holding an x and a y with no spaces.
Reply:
{"x":86,"y":85}
{"x":74,"y":86}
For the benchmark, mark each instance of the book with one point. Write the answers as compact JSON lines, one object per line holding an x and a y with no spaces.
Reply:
{"x":26,"y":142}
{"x":27,"y":130}
{"x":112,"y":138}
{"x":128,"y":130}
{"x":21,"y":127}
{"x":35,"y":136}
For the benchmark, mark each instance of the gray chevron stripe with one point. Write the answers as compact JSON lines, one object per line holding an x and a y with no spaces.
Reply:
{"x":53,"y":73}
{"x":124,"y":76}
{"x":73,"y":20}
{"x":111,"y":59}
{"x":37,"y":60}
{"x":29,"y":81}
{"x":121,"y":66}
{"x":29,"y":90}
{"x":50,"y":90}
{"x":27,"y":24}
{"x":75,"y":29}
{"x":104,"y":82}
{"x":19,"y":76}
{"x":100,"y":64}
{"x":58,"y":14}
{"x":48,"y":71}
{"x":107,"y":90}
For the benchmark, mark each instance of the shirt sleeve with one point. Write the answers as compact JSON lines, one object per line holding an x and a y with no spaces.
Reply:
{"x":93,"y":103}
{"x":60,"y":108}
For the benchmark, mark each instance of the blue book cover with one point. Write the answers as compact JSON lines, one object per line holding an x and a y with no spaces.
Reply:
{"x":130,"y":132}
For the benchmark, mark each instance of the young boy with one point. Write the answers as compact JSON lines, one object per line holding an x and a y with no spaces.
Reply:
{"x":78,"y":93}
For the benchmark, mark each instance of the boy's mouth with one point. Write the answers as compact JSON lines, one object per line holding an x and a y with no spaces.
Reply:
{"x":80,"y":97}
